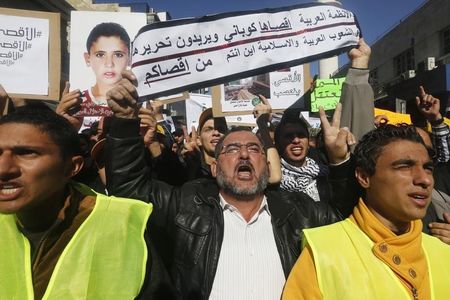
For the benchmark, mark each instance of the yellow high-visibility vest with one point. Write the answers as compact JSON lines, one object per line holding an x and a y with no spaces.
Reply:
{"x":105,"y":259}
{"x":347,"y":269}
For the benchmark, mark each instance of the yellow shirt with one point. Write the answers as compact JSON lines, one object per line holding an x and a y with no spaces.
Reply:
{"x":301,"y":283}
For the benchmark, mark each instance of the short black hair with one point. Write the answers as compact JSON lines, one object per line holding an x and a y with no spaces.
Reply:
{"x":219,"y":145}
{"x":60,"y":131}
{"x":372,"y":143}
{"x":107,"y":29}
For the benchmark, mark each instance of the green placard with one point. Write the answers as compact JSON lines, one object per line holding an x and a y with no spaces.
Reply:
{"x":326,"y":93}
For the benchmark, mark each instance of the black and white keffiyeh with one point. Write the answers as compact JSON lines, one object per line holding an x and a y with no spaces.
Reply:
{"x":302,"y":179}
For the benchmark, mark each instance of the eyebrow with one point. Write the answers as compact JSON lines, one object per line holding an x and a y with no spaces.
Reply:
{"x":411,"y":162}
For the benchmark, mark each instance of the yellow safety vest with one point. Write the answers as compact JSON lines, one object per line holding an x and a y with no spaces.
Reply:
{"x":105,"y":259}
{"x":347,"y":269}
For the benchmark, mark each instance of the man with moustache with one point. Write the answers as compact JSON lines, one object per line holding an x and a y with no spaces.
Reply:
{"x":229,"y":238}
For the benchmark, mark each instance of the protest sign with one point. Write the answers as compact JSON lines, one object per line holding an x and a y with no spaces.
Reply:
{"x":327,"y":93}
{"x":281,"y":88}
{"x":173,"y":98}
{"x":30,"y":58}
{"x":286,"y":87}
{"x":186,"y":54}
{"x":99,"y":53}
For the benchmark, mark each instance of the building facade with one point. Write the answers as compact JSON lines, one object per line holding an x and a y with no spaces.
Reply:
{"x":413,"y":53}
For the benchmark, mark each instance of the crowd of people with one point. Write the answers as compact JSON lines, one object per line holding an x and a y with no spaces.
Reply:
{"x":128,"y":209}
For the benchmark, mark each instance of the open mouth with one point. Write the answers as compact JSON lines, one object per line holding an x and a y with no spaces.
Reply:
{"x":244,"y":171}
{"x":297,"y":150}
{"x":9,"y":191}
{"x":109,"y":74}
{"x":421,"y":199}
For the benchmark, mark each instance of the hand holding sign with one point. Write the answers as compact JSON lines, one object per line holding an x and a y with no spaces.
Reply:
{"x":70,"y":102}
{"x":360,"y":55}
{"x":122,"y":98}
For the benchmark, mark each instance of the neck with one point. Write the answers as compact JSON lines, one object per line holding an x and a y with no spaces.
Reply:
{"x":298,"y":164}
{"x":396,"y":227}
{"x":248,"y":206}
{"x":42,"y":217}
{"x":208,"y":159}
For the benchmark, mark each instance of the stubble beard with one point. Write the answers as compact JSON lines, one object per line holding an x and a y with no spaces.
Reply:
{"x":245,"y":193}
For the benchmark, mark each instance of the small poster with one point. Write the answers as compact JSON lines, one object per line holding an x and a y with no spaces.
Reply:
{"x":24,"y":55}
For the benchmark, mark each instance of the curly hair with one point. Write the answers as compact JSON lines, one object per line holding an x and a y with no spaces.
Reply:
{"x":372,"y":143}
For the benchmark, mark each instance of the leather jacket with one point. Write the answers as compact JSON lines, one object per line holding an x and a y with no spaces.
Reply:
{"x":187,"y":222}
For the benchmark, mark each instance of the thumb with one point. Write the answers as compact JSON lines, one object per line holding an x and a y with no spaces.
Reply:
{"x":447,"y":217}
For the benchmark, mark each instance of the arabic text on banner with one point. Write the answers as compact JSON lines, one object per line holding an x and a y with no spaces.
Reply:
{"x":178,"y":55}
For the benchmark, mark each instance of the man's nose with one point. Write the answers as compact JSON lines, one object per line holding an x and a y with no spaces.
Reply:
{"x":423,"y":177}
{"x":8,"y":166}
{"x":243,"y":152}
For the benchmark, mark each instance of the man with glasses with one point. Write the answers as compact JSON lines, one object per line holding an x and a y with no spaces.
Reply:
{"x":229,"y":238}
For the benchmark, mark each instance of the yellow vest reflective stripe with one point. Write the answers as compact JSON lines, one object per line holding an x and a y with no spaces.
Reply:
{"x":105,"y":259}
{"x":347,"y":269}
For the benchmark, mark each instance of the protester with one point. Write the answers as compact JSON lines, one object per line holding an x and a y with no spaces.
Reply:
{"x":429,"y":107}
{"x":60,"y":239}
{"x":198,"y":150}
{"x":203,"y":223}
{"x":382,"y":238}
{"x":304,"y":170}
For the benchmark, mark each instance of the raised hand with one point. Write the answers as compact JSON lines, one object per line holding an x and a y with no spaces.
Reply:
{"x":3,"y":99}
{"x":360,"y":55}
{"x":336,"y":139}
{"x":262,"y":108}
{"x":428,"y":105}
{"x":148,"y":125}
{"x":157,"y":107}
{"x":69,"y":103}
{"x":190,"y":143}
{"x":122,"y":98}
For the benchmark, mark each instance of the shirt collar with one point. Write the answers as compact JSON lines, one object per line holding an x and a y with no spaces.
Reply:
{"x":226,"y":206}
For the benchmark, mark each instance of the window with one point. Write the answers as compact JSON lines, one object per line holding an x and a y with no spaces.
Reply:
{"x":404,"y":61}
{"x":445,"y":40}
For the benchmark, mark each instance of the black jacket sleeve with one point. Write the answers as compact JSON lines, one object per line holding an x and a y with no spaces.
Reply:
{"x":128,"y":174}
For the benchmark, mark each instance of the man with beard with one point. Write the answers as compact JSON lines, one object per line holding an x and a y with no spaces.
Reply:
{"x":229,"y":238}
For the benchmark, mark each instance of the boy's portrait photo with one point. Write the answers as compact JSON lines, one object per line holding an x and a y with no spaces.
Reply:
{"x":99,"y":53}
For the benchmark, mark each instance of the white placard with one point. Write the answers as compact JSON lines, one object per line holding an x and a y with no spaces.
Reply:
{"x":24,"y":55}
{"x":286,"y":87}
{"x":179,"y":55}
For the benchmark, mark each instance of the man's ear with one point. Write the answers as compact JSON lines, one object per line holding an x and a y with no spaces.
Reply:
{"x":362,"y":177}
{"x":75,"y":166}
{"x":213,"y":167}
{"x":87,"y":59}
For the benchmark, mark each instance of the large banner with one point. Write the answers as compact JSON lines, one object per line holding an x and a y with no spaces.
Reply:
{"x":186,"y":54}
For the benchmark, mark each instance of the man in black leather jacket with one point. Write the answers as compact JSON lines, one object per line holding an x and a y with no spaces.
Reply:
{"x":188,"y":222}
